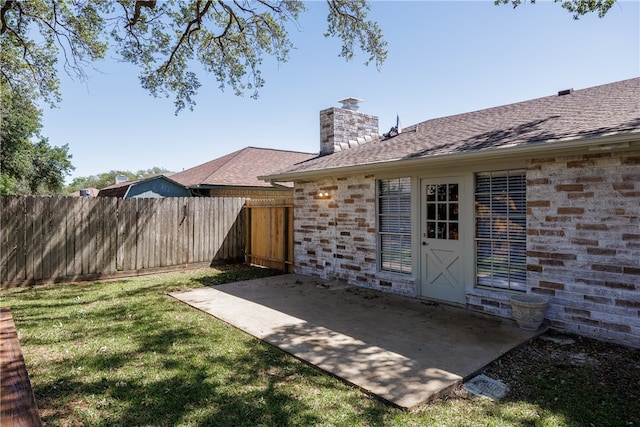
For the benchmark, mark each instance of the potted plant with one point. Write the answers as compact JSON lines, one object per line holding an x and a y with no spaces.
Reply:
{"x":528,"y":310}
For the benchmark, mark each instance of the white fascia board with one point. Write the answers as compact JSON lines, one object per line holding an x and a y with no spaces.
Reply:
{"x":126,"y":193}
{"x":514,"y":151}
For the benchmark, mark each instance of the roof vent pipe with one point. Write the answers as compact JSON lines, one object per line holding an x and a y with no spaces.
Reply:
{"x":565,"y":92}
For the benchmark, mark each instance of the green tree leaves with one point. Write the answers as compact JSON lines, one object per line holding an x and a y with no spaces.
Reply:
{"x":171,"y":40}
{"x":577,"y":7}
{"x":167,"y":40}
{"x":27,"y":167}
{"x":50,"y":166}
{"x":347,"y":21}
{"x":106,"y":179}
{"x":33,"y":34}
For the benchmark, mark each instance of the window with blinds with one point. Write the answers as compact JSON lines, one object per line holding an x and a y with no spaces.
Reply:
{"x":394,"y":224}
{"x":500,"y":213}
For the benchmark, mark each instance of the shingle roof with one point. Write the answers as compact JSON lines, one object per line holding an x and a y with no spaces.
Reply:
{"x":117,"y":190}
{"x":120,"y":189}
{"x":594,"y":112}
{"x":240,"y":168}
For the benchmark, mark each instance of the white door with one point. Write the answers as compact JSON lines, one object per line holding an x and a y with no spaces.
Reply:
{"x":441,"y":240}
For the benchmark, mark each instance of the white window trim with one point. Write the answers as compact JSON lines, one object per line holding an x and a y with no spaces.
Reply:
{"x":521,"y":287}
{"x":409,"y":266}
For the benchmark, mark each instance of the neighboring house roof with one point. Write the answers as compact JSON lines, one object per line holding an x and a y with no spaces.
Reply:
{"x":122,"y":189}
{"x":240,"y":168}
{"x":577,"y":117}
{"x":116,"y":190}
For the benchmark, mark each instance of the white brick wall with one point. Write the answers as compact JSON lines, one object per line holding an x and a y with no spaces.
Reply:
{"x":335,"y":238}
{"x":583,"y":243}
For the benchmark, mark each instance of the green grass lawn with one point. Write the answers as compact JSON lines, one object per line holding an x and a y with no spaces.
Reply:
{"x":123,"y":353}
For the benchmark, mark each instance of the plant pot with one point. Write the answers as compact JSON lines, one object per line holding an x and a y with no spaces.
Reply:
{"x":528,"y":311}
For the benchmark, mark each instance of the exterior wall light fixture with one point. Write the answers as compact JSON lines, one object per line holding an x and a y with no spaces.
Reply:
{"x":323,"y":195}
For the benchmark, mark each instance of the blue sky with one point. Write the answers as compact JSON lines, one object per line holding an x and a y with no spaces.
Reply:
{"x":444,"y":58}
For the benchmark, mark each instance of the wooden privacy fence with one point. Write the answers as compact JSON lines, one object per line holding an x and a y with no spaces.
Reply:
{"x":269,"y":233}
{"x":45,"y":239}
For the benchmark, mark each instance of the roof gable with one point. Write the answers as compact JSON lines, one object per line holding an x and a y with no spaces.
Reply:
{"x":240,"y":168}
{"x":122,"y":189}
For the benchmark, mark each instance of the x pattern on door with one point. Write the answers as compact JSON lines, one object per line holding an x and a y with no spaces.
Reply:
{"x":443,"y":266}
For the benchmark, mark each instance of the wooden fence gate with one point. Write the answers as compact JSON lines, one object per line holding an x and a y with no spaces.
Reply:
{"x":269,"y":233}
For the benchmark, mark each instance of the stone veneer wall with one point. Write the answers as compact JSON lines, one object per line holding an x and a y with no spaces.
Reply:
{"x":341,"y":129}
{"x":335,"y":238}
{"x":583,"y":243}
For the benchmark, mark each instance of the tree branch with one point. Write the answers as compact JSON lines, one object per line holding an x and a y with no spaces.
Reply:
{"x":333,"y":5}
{"x":197,"y":21}
{"x":150,"y":4}
{"x":232,"y":17}
{"x":3,"y":15}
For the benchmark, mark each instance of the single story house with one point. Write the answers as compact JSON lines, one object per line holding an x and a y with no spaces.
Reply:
{"x":236,"y":174}
{"x":539,"y":197}
{"x":154,"y":187}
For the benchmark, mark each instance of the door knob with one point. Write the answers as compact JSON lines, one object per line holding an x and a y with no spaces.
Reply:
{"x":424,"y":244}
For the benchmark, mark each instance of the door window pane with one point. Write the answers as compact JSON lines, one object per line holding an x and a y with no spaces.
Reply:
{"x":431,"y":193}
{"x":431,"y":211}
{"x":442,"y":230}
{"x":442,"y":206}
{"x":453,"y":231}
{"x":453,"y":192}
{"x":453,"y":211}
{"x":431,"y":230}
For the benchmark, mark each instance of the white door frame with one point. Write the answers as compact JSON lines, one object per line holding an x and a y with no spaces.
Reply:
{"x":441,"y":240}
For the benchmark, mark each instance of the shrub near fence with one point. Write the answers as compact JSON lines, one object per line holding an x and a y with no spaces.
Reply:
{"x":49,"y":239}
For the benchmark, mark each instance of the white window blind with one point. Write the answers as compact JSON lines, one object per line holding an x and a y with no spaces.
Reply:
{"x":394,"y":224}
{"x":501,"y":230}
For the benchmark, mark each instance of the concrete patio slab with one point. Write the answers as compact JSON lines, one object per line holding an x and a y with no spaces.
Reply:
{"x":403,"y":350}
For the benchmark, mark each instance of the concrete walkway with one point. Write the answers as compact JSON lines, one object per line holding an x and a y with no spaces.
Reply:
{"x":403,"y":350}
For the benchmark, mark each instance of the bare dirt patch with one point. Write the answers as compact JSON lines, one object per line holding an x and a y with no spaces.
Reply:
{"x":583,"y":378}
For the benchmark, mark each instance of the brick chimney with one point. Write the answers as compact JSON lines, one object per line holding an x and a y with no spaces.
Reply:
{"x":343,"y":128}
